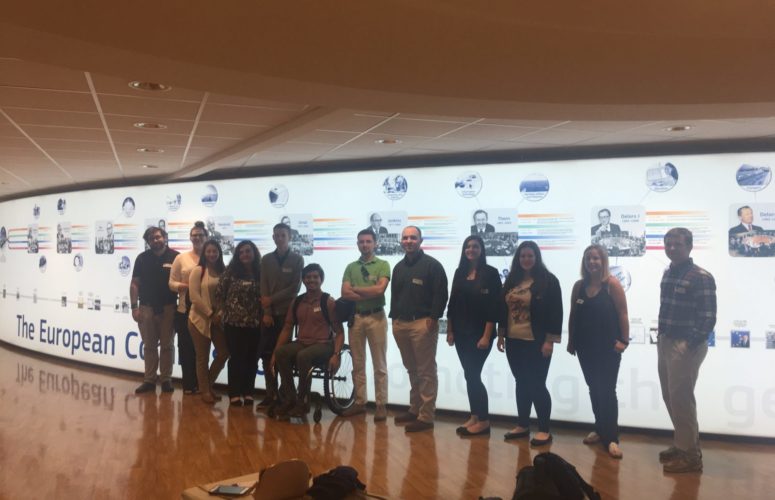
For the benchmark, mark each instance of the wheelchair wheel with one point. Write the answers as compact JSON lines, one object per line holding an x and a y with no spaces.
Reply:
{"x":340,"y":388}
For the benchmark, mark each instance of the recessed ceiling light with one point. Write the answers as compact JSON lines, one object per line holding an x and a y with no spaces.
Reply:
{"x":678,"y":128}
{"x":149,"y":166}
{"x":150,"y":86}
{"x":150,"y":150}
{"x":388,"y":141}
{"x":157,"y":126}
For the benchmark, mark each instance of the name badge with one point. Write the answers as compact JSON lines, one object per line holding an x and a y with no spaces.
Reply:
{"x":417,"y":281}
{"x":579,"y":301}
{"x":287,"y":270}
{"x":485,"y":291}
{"x":316,"y":309}
{"x":167,"y":266}
{"x":680,"y":289}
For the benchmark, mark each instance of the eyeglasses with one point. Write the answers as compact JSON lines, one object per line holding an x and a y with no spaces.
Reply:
{"x":364,"y":272}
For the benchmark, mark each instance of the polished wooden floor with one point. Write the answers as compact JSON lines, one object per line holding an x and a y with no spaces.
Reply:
{"x":68,"y":431}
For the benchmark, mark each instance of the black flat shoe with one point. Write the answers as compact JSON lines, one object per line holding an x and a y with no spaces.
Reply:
{"x":541,"y":442}
{"x":516,"y":435}
{"x":461,"y":429}
{"x":483,"y":432}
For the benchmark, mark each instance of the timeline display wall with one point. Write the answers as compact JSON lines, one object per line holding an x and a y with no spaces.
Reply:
{"x":66,"y":261}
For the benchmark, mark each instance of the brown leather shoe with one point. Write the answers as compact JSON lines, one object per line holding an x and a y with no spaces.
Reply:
{"x":405,"y":418}
{"x":418,"y":426}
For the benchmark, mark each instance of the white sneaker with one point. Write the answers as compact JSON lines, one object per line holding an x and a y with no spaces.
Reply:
{"x":592,"y":438}
{"x":614,"y":450}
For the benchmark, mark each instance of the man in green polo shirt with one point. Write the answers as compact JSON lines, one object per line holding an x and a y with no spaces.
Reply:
{"x":364,"y":282}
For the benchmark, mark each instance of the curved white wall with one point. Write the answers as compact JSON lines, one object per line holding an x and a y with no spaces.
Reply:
{"x":735,"y":394}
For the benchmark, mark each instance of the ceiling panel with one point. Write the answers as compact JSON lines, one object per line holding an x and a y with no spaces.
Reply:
{"x":82,"y":155}
{"x":245,"y":101}
{"x":19,"y":142}
{"x":46,"y":99}
{"x":213,"y":142}
{"x":117,"y":86}
{"x":484,"y":132}
{"x":126,"y":123}
{"x":557,"y":137}
{"x":230,"y":130}
{"x":148,"y":138}
{"x":59,"y":145}
{"x":66,"y":133}
{"x":601,"y":126}
{"x":222,"y":113}
{"x":353,"y":123}
{"x":299,"y":147}
{"x":26,"y":116}
{"x":326,"y":137}
{"x":19,"y":73}
{"x":144,"y":106}
{"x":418,"y":128}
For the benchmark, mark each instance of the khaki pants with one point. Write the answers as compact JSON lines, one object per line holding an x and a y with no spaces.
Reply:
{"x":371,"y":328}
{"x":158,"y":335}
{"x":206,"y":378}
{"x":418,"y":352}
{"x":679,"y":366}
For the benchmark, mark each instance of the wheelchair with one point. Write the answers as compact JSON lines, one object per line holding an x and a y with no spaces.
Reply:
{"x":338,"y":389}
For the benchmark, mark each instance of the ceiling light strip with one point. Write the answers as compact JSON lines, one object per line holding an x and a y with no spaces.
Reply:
{"x":40,"y":148}
{"x":104,"y":122}
{"x":194,"y":127}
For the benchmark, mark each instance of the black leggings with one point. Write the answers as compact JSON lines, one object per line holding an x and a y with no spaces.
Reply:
{"x":243,"y":361}
{"x":530,"y":369}
{"x":473,"y":360}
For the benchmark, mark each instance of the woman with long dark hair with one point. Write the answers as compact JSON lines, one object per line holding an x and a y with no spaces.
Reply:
{"x":204,"y":319}
{"x":533,"y":324}
{"x":598,"y":332}
{"x":474,"y":308}
{"x":239,"y":292}
{"x":181,"y":270}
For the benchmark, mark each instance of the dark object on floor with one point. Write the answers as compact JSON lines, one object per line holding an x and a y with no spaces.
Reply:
{"x":552,"y":478}
{"x":335,"y":484}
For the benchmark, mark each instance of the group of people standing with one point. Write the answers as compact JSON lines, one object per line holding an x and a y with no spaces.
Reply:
{"x":250,"y":308}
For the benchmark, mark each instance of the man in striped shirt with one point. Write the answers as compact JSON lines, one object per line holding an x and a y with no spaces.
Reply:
{"x":687,"y":315}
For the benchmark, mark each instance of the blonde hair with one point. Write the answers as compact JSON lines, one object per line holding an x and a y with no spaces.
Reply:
{"x":604,"y":272}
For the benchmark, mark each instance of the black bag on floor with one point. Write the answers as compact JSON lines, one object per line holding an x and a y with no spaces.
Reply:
{"x":552,"y":478}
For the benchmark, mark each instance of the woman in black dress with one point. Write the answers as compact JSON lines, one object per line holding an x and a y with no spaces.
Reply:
{"x":474,"y":308}
{"x":598,"y":332}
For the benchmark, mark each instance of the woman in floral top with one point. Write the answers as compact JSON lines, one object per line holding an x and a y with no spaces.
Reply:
{"x":239,"y":293}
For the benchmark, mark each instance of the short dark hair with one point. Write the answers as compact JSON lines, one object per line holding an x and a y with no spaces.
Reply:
{"x":284,"y":227}
{"x":371,"y":217}
{"x":680,"y":231}
{"x":739,"y":210}
{"x":313,"y":268}
{"x":368,"y":231}
{"x":419,"y":231}
{"x":480,"y":211}
{"x":603,"y":210}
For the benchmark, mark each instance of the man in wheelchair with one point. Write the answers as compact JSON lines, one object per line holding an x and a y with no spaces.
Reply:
{"x":319,"y":339}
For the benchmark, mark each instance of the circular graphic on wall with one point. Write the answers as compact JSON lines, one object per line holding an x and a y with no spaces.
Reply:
{"x":534,"y":187}
{"x":124,"y":265}
{"x":623,"y":275}
{"x":61,"y":206}
{"x":753,"y":177}
{"x":128,"y":206}
{"x":173,"y":202}
{"x":42,"y":263}
{"x":36,"y":211}
{"x":210,"y":196}
{"x":468,"y":184}
{"x":395,"y":187}
{"x":662,"y":178}
{"x":278,"y":196}
{"x":78,"y":262}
